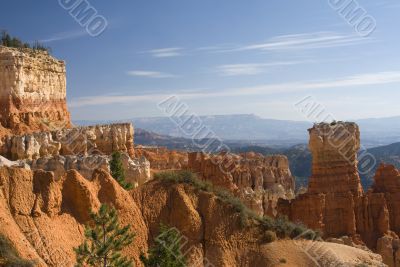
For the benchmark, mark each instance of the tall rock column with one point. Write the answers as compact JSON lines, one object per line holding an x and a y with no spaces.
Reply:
{"x":334,"y":189}
{"x":334,"y":148}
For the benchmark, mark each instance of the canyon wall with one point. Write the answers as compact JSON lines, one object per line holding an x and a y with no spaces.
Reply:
{"x":335,"y":202}
{"x":334,"y":149}
{"x":44,"y":219}
{"x":99,"y":139}
{"x":82,"y":148}
{"x":258,"y":180}
{"x":32,"y":91}
{"x":162,"y":158}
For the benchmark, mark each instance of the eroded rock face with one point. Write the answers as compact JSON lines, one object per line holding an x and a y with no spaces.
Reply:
{"x":260,"y":181}
{"x":163,"y":159}
{"x":44,"y":219}
{"x":334,"y":167}
{"x":388,"y":248}
{"x":32,"y":91}
{"x":84,"y":149}
{"x":99,"y":139}
{"x":334,"y":187}
{"x":335,"y":202}
{"x":137,"y":171}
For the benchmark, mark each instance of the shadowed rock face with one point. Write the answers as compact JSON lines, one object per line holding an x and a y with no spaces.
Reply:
{"x":335,"y":201}
{"x":32,"y":91}
{"x":44,"y":219}
{"x":258,"y":180}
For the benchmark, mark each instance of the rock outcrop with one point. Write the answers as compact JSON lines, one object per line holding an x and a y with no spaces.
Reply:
{"x":83,"y":149}
{"x":137,"y":171}
{"x":32,"y":91}
{"x":335,"y":202}
{"x":334,"y":167}
{"x":99,"y":139}
{"x":162,"y":158}
{"x":258,"y":180}
{"x":44,"y":219}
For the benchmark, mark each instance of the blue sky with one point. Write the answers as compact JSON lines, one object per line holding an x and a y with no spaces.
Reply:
{"x":220,"y":57}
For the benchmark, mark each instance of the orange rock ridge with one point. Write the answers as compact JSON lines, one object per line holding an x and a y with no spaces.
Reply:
{"x":258,"y":180}
{"x":335,"y":202}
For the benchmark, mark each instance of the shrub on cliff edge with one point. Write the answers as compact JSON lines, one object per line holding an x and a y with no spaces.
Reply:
{"x":166,"y":250}
{"x":280,"y":225}
{"x":117,"y":171}
{"x":9,"y":41}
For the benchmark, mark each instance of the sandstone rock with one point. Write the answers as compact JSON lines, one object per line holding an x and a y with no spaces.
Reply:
{"x":44,"y":220}
{"x":388,"y":247}
{"x":44,"y":217}
{"x":334,"y":149}
{"x":137,"y":171}
{"x":32,"y":91}
{"x":213,"y":233}
{"x":387,"y":179}
{"x":335,"y":202}
{"x":17,"y":164}
{"x":100,"y":139}
{"x":258,"y":180}
{"x":163,"y":159}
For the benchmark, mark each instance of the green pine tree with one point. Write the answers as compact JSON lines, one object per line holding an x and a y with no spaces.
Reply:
{"x":117,"y":170}
{"x":166,"y":251}
{"x":105,"y":241}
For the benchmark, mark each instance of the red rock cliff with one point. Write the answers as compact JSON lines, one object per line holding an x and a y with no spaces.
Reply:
{"x":32,"y":91}
{"x":258,"y":180}
{"x":335,"y":202}
{"x":334,"y":149}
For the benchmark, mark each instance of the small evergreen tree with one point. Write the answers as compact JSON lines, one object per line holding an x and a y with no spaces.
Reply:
{"x":7,"y":40}
{"x":166,"y":251}
{"x":105,"y":241}
{"x":117,"y":170}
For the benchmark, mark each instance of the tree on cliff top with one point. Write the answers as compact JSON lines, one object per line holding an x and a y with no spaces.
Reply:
{"x":166,"y":251}
{"x":117,"y":170}
{"x":9,"y":41}
{"x":105,"y":241}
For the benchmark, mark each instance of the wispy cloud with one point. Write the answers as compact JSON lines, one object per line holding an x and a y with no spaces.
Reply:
{"x":249,"y":68}
{"x":65,"y":36}
{"x":279,"y":43}
{"x":302,"y":41}
{"x":165,"y":52}
{"x":354,"y":81}
{"x":150,"y":74}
